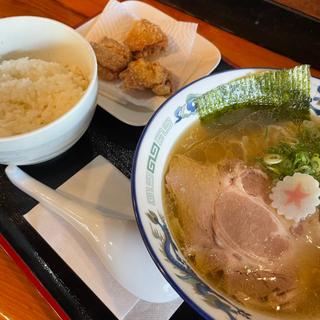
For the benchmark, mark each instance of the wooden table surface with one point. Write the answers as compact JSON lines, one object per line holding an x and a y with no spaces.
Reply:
{"x":19,"y":299}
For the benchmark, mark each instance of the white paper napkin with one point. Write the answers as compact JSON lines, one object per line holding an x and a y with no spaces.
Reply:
{"x":101,"y":185}
{"x":116,"y":21}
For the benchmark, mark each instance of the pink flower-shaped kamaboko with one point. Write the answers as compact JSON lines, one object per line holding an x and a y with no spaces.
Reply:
{"x":296,"y":196}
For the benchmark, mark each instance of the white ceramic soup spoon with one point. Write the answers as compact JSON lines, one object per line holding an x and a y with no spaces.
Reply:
{"x":118,"y":244}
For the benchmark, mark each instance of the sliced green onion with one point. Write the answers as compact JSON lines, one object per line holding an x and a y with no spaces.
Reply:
{"x":274,"y":170}
{"x":315,"y":162}
{"x":272,"y":158}
{"x":302,"y":158}
{"x":287,"y":164}
{"x":304,"y":169}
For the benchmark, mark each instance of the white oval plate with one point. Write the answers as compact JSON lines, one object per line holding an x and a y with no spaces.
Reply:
{"x":136,"y":115}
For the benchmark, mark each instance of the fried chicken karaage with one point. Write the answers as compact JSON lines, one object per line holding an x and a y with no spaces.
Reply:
{"x":112,"y":56}
{"x":142,"y":74}
{"x":146,"y":39}
{"x":116,"y":60}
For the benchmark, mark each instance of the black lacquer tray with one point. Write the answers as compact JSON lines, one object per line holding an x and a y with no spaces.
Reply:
{"x":269,"y":25}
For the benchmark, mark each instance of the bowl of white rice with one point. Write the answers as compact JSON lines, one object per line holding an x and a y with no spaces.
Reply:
{"x":48,"y":89}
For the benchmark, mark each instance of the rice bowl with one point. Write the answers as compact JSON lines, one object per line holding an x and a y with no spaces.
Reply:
{"x":48,"y":135}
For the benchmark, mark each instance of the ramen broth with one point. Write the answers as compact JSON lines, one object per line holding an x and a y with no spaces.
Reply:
{"x":245,"y":137}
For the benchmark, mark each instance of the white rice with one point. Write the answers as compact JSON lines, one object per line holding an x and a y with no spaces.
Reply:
{"x":34,"y":92}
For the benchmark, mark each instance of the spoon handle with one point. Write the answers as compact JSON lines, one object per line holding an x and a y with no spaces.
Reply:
{"x":51,"y":199}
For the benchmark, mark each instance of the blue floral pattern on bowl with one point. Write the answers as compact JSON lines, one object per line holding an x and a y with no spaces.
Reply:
{"x":315,"y":102}
{"x":187,"y":109}
{"x":317,"y":98}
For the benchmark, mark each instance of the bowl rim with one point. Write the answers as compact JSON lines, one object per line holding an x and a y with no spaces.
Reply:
{"x":94,"y":74}
{"x":137,"y":213}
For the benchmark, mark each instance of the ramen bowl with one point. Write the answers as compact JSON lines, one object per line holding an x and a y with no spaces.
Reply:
{"x":159,"y":137}
{"x":49,"y":40}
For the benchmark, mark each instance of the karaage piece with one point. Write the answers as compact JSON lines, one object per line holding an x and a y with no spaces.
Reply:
{"x":107,"y":74}
{"x":112,"y":56}
{"x":146,"y":39}
{"x":142,"y":74}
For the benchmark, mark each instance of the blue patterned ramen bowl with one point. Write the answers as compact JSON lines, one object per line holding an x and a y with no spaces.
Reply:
{"x":170,"y":121}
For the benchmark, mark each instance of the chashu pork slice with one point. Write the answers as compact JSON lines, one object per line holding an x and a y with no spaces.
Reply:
{"x":231,"y":229}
